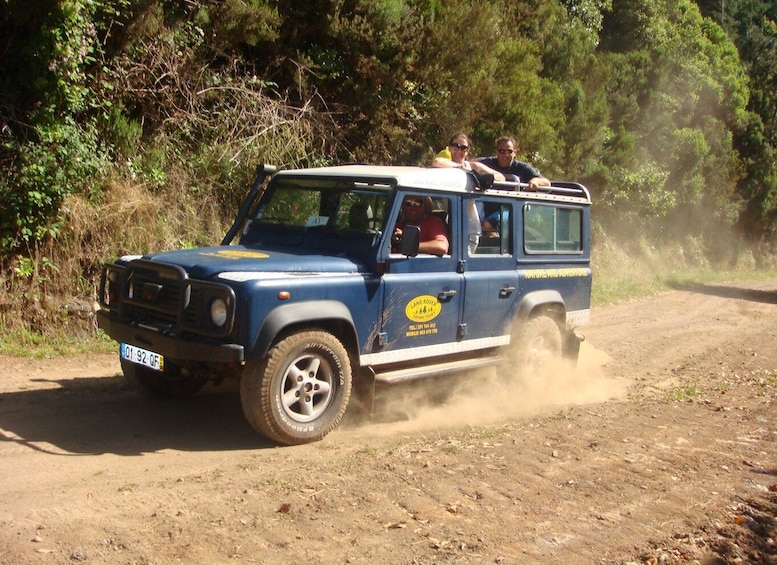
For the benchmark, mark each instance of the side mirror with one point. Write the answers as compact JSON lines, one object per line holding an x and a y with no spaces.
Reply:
{"x":411,"y":236}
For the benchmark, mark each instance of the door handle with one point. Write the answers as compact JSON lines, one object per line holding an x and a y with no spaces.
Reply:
{"x":506,"y":291}
{"x":446,"y":295}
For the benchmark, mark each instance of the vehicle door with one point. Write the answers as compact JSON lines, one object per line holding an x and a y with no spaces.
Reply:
{"x":490,"y":273}
{"x":422,"y":294}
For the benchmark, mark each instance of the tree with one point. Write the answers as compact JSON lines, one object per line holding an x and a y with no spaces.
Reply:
{"x":752,"y":24}
{"x":678,"y":90}
{"x":51,"y":145}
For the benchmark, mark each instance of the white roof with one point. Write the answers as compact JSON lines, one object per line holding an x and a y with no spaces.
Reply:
{"x":455,"y":180}
{"x":429,"y":178}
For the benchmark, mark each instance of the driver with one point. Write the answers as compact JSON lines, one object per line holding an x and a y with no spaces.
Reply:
{"x":417,"y":211}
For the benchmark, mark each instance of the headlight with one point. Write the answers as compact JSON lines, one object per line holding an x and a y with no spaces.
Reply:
{"x":218,"y":312}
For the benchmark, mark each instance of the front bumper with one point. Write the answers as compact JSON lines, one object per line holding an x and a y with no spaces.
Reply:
{"x":171,"y":346}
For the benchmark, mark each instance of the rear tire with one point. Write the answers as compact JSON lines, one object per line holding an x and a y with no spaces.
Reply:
{"x":299,"y":391}
{"x":171,"y":383}
{"x":537,"y":345}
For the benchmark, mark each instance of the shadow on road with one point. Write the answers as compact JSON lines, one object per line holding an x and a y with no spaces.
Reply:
{"x":95,"y":415}
{"x":738,"y":293}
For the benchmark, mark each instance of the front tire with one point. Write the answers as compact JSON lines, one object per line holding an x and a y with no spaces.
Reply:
{"x":299,"y":391}
{"x":172,"y":383}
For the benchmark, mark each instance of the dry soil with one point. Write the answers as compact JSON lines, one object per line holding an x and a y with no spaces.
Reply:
{"x":659,"y":447}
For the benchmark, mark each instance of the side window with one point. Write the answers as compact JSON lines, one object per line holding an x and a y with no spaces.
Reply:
{"x":552,"y":229}
{"x":441,"y":207}
{"x":430,"y":214}
{"x":496,"y":229}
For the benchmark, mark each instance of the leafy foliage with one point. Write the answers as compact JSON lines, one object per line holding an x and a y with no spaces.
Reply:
{"x":678,"y":92}
{"x":51,"y":142}
{"x":753,"y":26}
{"x":664,"y":108}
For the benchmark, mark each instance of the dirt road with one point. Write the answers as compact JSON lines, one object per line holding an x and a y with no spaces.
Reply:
{"x":660,"y":447}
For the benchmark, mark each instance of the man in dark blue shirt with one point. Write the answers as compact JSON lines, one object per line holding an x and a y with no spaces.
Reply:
{"x":506,"y":163}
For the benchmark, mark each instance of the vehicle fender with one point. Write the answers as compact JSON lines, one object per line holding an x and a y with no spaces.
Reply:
{"x":538,"y":299}
{"x":308,"y":312}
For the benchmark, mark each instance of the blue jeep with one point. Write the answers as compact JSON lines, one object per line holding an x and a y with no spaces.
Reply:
{"x":314,"y":302}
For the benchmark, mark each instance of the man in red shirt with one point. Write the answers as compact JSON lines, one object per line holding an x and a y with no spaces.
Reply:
{"x":416,"y":211}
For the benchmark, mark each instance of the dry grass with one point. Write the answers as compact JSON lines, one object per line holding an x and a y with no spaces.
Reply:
{"x":52,"y":292}
{"x":640,"y":269}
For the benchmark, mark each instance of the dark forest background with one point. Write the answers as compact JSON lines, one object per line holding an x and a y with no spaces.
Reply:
{"x":135,"y":125}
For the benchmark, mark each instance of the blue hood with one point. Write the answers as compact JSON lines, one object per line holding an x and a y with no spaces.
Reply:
{"x":206,"y":262}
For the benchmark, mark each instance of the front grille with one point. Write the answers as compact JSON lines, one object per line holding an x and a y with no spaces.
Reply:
{"x":162,"y":297}
{"x":193,"y":316}
{"x":154,"y":294}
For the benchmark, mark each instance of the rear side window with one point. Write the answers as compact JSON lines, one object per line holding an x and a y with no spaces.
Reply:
{"x":552,"y":229}
{"x":496,"y":221}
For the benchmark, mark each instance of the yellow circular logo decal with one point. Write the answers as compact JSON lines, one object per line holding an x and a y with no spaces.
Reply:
{"x":423,"y":308}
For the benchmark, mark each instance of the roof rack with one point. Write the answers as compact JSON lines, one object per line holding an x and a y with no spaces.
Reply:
{"x":564,"y":188}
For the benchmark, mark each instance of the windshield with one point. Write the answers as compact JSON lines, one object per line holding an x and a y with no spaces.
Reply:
{"x":293,"y":209}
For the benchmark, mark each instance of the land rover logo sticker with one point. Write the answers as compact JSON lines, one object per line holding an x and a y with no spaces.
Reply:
{"x":423,"y":308}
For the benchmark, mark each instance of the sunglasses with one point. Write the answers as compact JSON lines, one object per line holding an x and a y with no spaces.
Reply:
{"x":506,"y":151}
{"x":416,"y":203}
{"x":459,"y":146}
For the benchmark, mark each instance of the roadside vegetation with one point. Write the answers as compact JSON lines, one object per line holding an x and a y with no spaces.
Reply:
{"x":135,"y":125}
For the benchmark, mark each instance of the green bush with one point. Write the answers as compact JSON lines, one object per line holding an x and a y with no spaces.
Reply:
{"x":66,"y":158}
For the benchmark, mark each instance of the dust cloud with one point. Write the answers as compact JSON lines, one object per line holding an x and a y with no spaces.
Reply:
{"x":489,"y":396}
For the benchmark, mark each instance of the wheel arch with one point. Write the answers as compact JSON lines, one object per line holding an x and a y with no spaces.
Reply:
{"x":328,"y":315}
{"x":542,"y":303}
